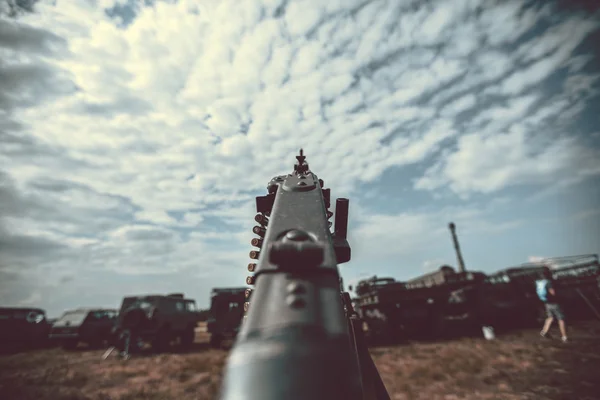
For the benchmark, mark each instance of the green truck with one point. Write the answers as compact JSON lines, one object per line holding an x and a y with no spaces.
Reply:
{"x":226,"y":313}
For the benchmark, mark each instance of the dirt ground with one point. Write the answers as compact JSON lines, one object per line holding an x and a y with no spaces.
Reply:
{"x":519,"y":365}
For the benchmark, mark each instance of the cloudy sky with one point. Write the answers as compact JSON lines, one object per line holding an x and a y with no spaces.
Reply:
{"x":134,"y":136}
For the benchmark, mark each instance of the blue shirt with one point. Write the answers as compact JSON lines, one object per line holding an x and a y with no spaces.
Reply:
{"x":542,"y":287}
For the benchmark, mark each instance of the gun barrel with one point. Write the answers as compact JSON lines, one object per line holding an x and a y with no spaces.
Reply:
{"x":459,"y":258}
{"x":297,"y":364}
{"x":295,"y":342}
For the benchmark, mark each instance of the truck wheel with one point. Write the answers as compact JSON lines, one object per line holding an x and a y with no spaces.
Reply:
{"x":439,"y":328}
{"x":96,"y":343}
{"x":70,"y":344}
{"x":215,"y":340}
{"x":187,"y":337}
{"x":162,"y":340}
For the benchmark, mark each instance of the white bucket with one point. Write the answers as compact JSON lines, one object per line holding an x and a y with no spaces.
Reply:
{"x":488,"y":332}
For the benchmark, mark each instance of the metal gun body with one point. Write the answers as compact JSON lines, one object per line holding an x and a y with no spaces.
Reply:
{"x":298,"y":340}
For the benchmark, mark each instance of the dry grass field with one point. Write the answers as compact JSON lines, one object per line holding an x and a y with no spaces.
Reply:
{"x":519,"y":365}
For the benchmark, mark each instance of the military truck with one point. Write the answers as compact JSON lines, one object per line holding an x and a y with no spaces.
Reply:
{"x":501,"y":300}
{"x":577,"y":279}
{"x":92,"y":326}
{"x":226,"y":313}
{"x":393,"y":310}
{"x":159,"y":319}
{"x":22,"y":328}
{"x":507,"y":299}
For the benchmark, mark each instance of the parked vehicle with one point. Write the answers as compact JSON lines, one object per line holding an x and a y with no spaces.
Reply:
{"x":159,"y":319}
{"x":22,"y":328}
{"x":92,"y":326}
{"x":393,"y":310}
{"x":507,"y":299}
{"x":226,"y":314}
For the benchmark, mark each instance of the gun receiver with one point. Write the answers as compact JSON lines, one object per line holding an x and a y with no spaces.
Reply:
{"x":300,"y":338}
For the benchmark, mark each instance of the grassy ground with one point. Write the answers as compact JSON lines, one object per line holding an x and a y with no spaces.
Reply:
{"x":519,"y":365}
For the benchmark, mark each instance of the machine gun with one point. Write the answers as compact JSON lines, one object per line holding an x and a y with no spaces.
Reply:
{"x":301,"y":338}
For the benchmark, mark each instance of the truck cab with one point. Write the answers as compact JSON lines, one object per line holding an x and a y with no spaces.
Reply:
{"x":159,"y":319}
{"x":92,"y":326}
{"x":226,"y":314}
{"x":22,"y":328}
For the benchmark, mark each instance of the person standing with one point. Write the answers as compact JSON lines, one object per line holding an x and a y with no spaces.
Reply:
{"x":134,"y":317}
{"x":547,"y":294}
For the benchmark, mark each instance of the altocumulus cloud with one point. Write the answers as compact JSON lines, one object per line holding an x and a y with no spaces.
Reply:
{"x":135,"y":134}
